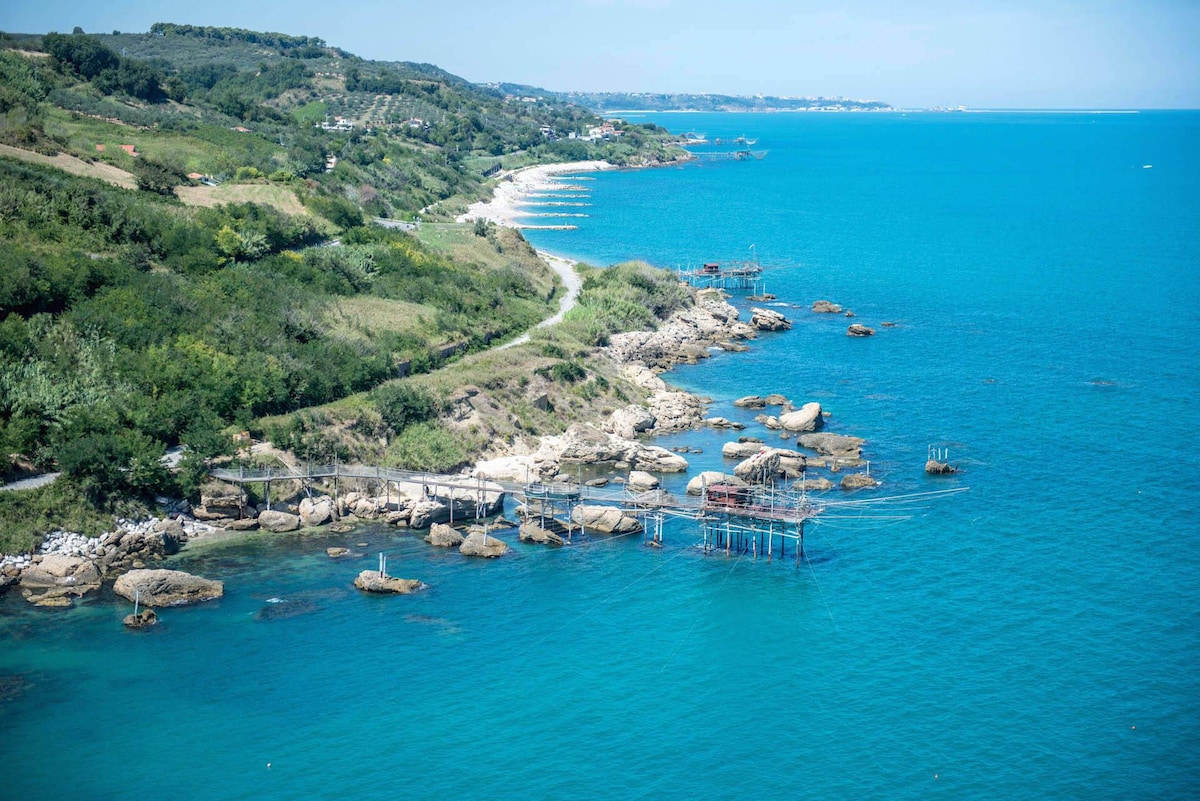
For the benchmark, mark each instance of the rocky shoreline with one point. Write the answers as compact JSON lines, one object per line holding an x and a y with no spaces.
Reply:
{"x":67,"y":566}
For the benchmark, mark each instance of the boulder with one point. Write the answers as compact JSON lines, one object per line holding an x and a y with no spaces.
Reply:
{"x":366,"y":508}
{"x":810,"y":484}
{"x":49,"y":599}
{"x":860,"y":330}
{"x":442,"y":536}
{"x":806,"y":418}
{"x":644,"y":377}
{"x":60,"y":566}
{"x":641,"y":481}
{"x":740,"y":450}
{"x":166,"y":587}
{"x":278,"y":521}
{"x":606,"y":519}
{"x":833,"y":444}
{"x":775,"y":399}
{"x":246,"y":524}
{"x":427,"y":512}
{"x":935,"y":468}
{"x":658,"y":460}
{"x":826,"y":307}
{"x":588,"y":445}
{"x":723,"y":423}
{"x":143,"y":619}
{"x":676,"y":411}
{"x":761,"y":467}
{"x":374,"y":581}
{"x":691,"y":353}
{"x":58,"y":575}
{"x":631,"y":420}
{"x":768,"y":420}
{"x":791,"y":464}
{"x":227,"y":503}
{"x":768,"y":320}
{"x":532,"y":532}
{"x":335,"y":552}
{"x":479,"y":544}
{"x":751,"y":402}
{"x":853,"y":481}
{"x":316,"y":511}
{"x":710,"y":477}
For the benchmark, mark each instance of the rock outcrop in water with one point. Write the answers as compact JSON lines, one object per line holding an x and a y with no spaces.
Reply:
{"x":376,"y":582}
{"x":605,"y":519}
{"x":768,"y":320}
{"x":483,"y":545}
{"x":683,"y":337}
{"x":442,"y":536}
{"x":532,"y":532}
{"x":143,"y":619}
{"x":806,"y":418}
{"x":166,"y":588}
{"x":858,"y":481}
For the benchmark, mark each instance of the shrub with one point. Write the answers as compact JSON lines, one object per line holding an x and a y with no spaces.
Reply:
{"x":402,"y":405}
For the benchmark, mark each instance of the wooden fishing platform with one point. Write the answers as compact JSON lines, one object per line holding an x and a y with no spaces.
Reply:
{"x":732,"y":275}
{"x":733,"y":519}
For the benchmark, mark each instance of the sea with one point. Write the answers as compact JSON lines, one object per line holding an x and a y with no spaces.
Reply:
{"x":1035,"y":636}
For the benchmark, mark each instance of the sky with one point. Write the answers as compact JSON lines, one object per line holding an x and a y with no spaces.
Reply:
{"x":916,"y":54}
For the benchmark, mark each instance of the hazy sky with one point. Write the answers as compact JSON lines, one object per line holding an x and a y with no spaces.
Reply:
{"x":979,"y":53}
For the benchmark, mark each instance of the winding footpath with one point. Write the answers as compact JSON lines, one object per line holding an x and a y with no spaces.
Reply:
{"x":566,"y":271}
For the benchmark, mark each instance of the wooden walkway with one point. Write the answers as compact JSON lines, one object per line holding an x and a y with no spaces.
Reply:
{"x":750,"y":525}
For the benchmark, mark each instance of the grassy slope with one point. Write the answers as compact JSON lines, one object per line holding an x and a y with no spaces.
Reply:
{"x":497,"y":398}
{"x":68,"y":163}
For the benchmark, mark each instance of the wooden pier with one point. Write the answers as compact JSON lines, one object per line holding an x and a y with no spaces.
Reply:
{"x":757,"y":519}
{"x":729,"y":155}
{"x":733,"y":275}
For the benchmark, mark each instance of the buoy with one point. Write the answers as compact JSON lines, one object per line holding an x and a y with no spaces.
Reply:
{"x":268,"y":765}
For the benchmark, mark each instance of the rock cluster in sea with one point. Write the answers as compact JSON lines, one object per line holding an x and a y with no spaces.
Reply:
{"x":684,"y":337}
{"x":68,"y":565}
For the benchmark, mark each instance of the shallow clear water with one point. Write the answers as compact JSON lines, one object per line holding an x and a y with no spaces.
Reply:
{"x":1035,"y":637}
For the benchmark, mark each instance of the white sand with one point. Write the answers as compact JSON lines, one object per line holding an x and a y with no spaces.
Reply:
{"x":513,"y":188}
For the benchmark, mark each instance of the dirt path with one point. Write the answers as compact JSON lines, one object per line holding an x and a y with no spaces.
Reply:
{"x":566,"y":271}
{"x":30,"y":483}
{"x":105,"y":172}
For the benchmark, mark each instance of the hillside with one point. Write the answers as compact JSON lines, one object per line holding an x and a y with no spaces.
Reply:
{"x":141,"y":308}
{"x":390,"y":137}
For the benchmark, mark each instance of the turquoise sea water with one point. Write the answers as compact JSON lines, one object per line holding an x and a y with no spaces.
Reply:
{"x":1036,"y":637}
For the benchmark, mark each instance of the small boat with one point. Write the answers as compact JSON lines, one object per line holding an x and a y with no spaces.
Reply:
{"x":742,"y":140}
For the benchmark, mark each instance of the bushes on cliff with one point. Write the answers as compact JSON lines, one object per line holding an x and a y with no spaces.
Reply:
{"x":401,"y":405}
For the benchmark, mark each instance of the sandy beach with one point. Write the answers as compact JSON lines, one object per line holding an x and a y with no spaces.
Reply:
{"x":513,"y":188}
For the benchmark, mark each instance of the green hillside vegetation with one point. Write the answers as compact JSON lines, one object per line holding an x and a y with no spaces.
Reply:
{"x":530,"y":390}
{"x":133,"y":320}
